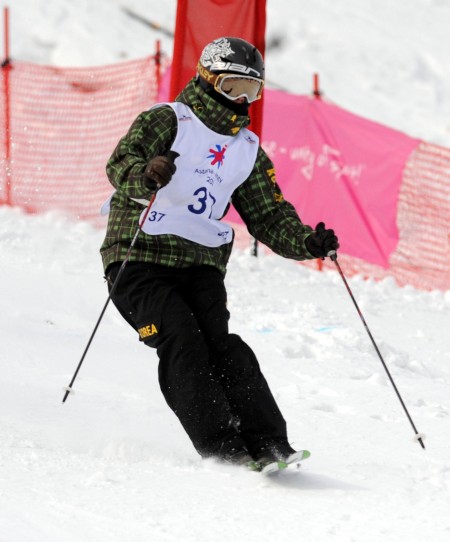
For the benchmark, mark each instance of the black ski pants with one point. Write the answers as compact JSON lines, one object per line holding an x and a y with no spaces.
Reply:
{"x":210,"y":378}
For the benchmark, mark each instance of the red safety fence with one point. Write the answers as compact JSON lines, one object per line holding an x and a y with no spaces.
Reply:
{"x":59,"y":127}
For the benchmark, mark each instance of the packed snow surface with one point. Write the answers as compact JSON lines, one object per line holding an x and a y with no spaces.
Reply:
{"x":113,"y":464}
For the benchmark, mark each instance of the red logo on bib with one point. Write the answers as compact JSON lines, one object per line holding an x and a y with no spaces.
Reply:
{"x":217,"y":155}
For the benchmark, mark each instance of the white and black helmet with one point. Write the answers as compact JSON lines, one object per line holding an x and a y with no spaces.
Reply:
{"x":234,"y":67}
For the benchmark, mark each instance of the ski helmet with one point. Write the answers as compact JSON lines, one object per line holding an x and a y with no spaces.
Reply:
{"x":234,"y":67}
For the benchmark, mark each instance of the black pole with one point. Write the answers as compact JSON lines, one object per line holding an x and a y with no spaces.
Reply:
{"x":254,"y":248}
{"x":333,"y":255}
{"x":113,"y":287}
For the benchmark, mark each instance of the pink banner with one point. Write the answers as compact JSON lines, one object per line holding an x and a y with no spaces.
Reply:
{"x":337,"y":167}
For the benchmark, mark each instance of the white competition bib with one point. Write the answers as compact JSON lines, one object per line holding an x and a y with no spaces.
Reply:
{"x":210,"y":167}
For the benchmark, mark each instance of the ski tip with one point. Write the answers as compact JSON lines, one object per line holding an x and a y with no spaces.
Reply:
{"x":277,"y":466}
{"x":296,"y":457}
{"x":274,"y":467}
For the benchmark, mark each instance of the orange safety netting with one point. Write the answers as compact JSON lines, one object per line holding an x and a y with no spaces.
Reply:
{"x":64,"y":124}
{"x":60,"y":125}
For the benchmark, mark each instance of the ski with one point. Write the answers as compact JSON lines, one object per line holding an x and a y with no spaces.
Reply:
{"x":271,"y":467}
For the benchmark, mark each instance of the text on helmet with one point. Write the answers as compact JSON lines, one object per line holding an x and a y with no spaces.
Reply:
{"x":232,"y":67}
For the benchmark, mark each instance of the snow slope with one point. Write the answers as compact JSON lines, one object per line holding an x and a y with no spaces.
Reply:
{"x":112,"y":464}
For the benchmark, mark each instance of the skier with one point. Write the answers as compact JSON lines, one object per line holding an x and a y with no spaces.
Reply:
{"x":198,"y":155}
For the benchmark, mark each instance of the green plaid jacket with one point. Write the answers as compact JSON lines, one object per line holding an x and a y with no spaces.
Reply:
{"x":268,"y":217}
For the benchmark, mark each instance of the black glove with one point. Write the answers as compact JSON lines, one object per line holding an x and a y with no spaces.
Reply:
{"x":321,"y":241}
{"x":159,"y":170}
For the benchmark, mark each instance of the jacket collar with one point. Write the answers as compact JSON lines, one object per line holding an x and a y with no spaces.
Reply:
{"x":214,"y":115}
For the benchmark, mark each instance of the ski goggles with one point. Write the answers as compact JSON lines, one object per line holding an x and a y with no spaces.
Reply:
{"x":239,"y":86}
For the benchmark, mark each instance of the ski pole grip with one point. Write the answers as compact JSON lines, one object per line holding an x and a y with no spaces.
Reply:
{"x":333,"y":255}
{"x":172,"y":155}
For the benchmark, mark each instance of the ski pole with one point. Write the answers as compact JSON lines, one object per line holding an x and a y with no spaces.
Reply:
{"x":69,"y":389}
{"x":418,"y":436}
